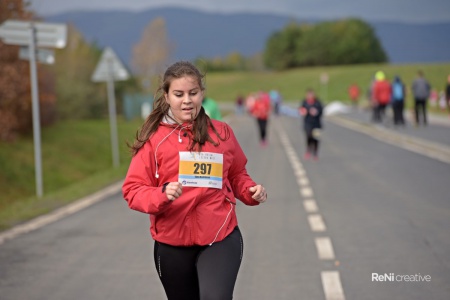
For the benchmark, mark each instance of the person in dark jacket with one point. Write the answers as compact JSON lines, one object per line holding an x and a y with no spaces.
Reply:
{"x":421,"y":91}
{"x":311,"y":110}
{"x":398,"y":100}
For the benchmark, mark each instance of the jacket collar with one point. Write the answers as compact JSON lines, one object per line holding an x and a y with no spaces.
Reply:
{"x":169,"y":120}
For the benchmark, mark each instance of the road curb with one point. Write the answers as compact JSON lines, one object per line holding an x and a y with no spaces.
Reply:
{"x":60,"y":213}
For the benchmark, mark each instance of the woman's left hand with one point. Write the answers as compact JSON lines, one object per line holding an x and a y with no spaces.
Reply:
{"x":259,"y":193}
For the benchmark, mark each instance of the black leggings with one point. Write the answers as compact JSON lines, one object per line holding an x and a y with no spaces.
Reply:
{"x":262,"y":125}
{"x":200,"y":272}
{"x":312,"y":144}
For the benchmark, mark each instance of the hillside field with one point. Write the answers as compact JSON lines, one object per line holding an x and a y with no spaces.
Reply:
{"x":292,"y":84}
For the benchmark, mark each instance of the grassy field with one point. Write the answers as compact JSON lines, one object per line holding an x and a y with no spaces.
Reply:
{"x":76,"y":161}
{"x":77,"y":154}
{"x":293,"y":84}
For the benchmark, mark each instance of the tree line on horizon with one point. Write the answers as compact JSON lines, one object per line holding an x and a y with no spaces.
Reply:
{"x":341,"y":42}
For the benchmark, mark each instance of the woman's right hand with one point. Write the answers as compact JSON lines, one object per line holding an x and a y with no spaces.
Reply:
{"x":173,"y":190}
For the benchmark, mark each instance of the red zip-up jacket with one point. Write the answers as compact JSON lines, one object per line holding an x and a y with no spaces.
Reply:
{"x":200,"y":216}
{"x":382,"y":91}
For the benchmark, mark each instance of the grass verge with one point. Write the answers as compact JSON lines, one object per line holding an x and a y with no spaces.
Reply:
{"x":76,"y":160}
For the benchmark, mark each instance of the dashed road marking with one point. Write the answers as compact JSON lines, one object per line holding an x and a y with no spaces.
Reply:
{"x":330,"y":279}
{"x":299,"y":172}
{"x":324,"y":248}
{"x":316,"y":223}
{"x":332,"y":287}
{"x":306,"y":192}
{"x":310,"y":206}
{"x":303,"y":181}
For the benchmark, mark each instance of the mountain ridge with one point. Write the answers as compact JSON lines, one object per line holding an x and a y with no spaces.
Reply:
{"x":195,"y":33}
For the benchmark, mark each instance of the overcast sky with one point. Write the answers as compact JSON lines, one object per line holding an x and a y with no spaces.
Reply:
{"x":394,"y":10}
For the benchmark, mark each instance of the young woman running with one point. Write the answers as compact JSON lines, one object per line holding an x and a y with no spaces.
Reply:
{"x":186,"y":173}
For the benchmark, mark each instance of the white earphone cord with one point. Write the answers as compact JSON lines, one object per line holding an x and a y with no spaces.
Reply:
{"x":156,"y":150}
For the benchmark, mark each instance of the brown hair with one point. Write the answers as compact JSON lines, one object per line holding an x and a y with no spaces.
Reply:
{"x":161,"y":107}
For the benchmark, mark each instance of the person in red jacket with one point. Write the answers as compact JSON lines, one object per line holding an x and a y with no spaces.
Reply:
{"x":261,"y":110}
{"x":382,"y":94}
{"x":353,"y":93}
{"x":186,"y":172}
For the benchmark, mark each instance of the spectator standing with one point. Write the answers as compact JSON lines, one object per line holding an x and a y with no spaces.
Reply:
{"x":398,"y":100}
{"x":421,"y":91}
{"x":447,"y":93}
{"x":353,"y":93}
{"x":240,"y":105}
{"x":382,"y":94}
{"x":275,"y":98}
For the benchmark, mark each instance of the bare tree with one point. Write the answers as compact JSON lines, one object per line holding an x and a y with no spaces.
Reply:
{"x":152,"y":52}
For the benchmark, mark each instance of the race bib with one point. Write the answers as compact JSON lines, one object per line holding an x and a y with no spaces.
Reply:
{"x":201,"y":169}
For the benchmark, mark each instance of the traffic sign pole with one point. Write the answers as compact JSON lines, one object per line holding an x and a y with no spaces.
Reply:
{"x":34,"y":35}
{"x":113,"y":119}
{"x":110,"y":69}
{"x":36,"y":113}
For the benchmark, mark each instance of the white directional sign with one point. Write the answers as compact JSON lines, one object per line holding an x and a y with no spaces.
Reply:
{"x":109,"y":67}
{"x":47,"y":34}
{"x":45,"y":56}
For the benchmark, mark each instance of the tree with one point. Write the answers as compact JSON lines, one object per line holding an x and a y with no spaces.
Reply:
{"x":78,"y":97}
{"x":15,"y":87}
{"x":349,"y":41}
{"x":152,"y":52}
{"x":280,"y":48}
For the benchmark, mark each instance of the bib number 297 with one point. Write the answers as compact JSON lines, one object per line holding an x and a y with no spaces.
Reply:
{"x":202,"y":168}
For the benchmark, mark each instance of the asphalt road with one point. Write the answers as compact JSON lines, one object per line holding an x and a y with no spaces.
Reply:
{"x":366,"y":207}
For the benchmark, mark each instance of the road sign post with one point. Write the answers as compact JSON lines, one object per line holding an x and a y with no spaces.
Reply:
{"x":110,"y":69}
{"x":36,"y":114}
{"x":324,"y":79}
{"x":113,"y":121}
{"x":33,"y":35}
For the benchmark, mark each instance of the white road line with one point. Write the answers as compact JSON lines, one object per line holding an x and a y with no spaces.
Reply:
{"x":310,"y":206}
{"x":331,"y":281}
{"x":303,"y":181}
{"x":60,"y":213}
{"x":324,"y":248}
{"x":306,"y":192}
{"x":332,"y":287}
{"x":299,"y":172}
{"x":316,"y":223}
